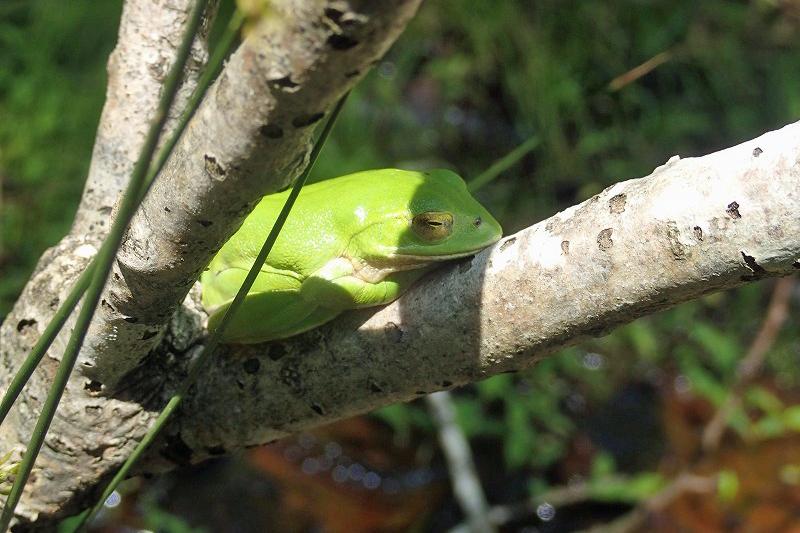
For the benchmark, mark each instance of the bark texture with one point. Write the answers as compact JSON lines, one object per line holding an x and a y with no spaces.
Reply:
{"x":692,"y":227}
{"x":149,"y":33}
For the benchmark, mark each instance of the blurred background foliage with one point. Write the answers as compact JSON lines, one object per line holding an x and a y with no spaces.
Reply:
{"x":610,"y":423}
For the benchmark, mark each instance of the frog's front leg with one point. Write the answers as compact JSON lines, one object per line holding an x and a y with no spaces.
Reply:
{"x":337,"y":285}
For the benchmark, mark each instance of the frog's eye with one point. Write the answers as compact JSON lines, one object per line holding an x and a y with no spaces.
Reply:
{"x":433,"y":226}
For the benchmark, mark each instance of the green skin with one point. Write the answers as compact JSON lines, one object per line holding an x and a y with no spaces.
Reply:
{"x":350,"y":242}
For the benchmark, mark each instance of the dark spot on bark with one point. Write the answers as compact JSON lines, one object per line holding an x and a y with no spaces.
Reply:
{"x":446,"y":383}
{"x":374,"y":387}
{"x":698,"y":233}
{"x":149,"y":334}
{"x":506,"y":243}
{"x":204,"y":223}
{"x":271,"y":131}
{"x":604,"y":241}
{"x":216,"y":450}
{"x":167,"y":209}
{"x":752,"y":264}
{"x":733,"y":210}
{"x":240,"y":384}
{"x":276,"y":351}
{"x":616,"y":204}
{"x":352,"y":74}
{"x":176,"y":450}
{"x":420,"y":393}
{"x":775,"y":231}
{"x":290,"y":377}
{"x":54,"y":302}
{"x":213,"y":168}
{"x":796,"y":264}
{"x":93,"y":386}
{"x":104,"y":303}
{"x":131,"y":319}
{"x":252,"y":365}
{"x":674,"y":237}
{"x":302,"y":121}
{"x":757,"y":151}
{"x":565,"y":247}
{"x":334,"y":14}
{"x":117,"y":277}
{"x":285,"y":82}
{"x":317,"y":409}
{"x":512,"y":371}
{"x":394,"y":333}
{"x":25,"y":323}
{"x":339,"y":41}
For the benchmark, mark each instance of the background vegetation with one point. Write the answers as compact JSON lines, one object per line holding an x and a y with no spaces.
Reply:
{"x":617,"y":419}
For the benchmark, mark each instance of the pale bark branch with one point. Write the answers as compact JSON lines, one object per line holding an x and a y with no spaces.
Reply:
{"x":464,"y":479}
{"x":692,"y":227}
{"x":249,"y":137}
{"x":149,"y":34}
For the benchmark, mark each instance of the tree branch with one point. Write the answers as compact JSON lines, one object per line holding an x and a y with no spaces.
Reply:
{"x":692,"y":227}
{"x":250,"y":137}
{"x":149,"y":33}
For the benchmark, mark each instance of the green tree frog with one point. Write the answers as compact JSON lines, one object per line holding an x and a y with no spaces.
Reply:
{"x":355,"y":241}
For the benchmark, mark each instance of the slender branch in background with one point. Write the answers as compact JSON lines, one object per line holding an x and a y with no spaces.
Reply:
{"x":634,"y":520}
{"x":503,"y":164}
{"x":641,"y":70}
{"x":751,"y":363}
{"x":201,"y":360}
{"x":105,"y":257}
{"x":467,"y":487}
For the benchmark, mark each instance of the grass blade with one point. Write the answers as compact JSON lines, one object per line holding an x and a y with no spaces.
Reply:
{"x":215,"y":337}
{"x":503,"y":164}
{"x":103,"y":261}
{"x":68,"y":305}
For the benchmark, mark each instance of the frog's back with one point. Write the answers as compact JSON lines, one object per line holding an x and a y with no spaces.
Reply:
{"x":325,"y":216}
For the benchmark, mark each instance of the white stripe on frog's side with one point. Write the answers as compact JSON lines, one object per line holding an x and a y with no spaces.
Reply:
{"x":375,"y":271}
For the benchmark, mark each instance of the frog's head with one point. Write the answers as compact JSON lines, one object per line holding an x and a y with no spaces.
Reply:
{"x":433,"y":217}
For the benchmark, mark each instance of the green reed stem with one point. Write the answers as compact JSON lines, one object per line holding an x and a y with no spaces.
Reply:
{"x":216,"y":336}
{"x":503,"y":164}
{"x":103,"y":261}
{"x":60,"y":317}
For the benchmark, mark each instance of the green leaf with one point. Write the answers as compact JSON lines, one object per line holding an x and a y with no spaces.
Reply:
{"x":791,"y":418}
{"x":722,"y":347}
{"x":727,"y":485}
{"x":632,"y":489}
{"x":763,"y":399}
{"x":518,"y":446}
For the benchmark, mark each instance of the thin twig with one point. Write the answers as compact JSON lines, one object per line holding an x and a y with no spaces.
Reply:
{"x":467,"y":487}
{"x":681,"y":484}
{"x":641,"y":70}
{"x":751,"y":363}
